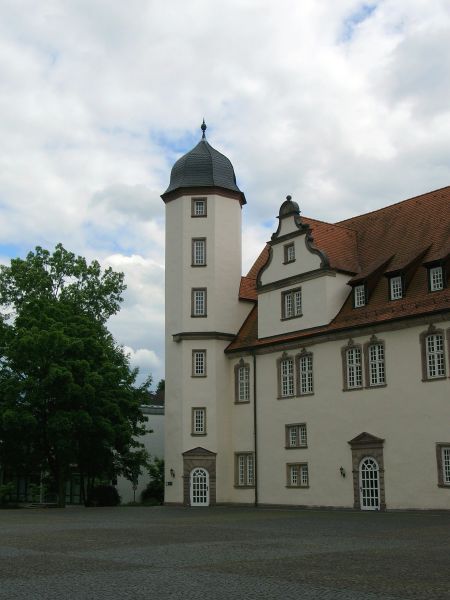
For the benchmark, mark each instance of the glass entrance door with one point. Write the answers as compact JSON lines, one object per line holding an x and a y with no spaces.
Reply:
{"x":199,"y":487}
{"x":369,"y":484}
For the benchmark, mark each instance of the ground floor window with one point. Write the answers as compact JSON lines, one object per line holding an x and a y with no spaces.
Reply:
{"x":297,"y":475}
{"x":443,"y":464}
{"x":245,"y":469}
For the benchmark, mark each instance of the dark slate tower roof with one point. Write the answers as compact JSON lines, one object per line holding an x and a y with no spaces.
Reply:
{"x":203,"y":167}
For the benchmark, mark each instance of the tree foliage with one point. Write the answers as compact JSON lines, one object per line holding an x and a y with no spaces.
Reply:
{"x":67,"y":393}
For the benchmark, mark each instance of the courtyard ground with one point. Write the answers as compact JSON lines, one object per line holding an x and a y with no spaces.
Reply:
{"x":218,"y":553}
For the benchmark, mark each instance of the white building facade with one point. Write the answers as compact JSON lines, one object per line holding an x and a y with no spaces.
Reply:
{"x":322,"y":377}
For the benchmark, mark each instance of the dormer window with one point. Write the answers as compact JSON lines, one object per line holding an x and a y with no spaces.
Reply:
{"x":436,"y":278}
{"x":396,"y":287}
{"x":289,"y":253}
{"x":359,"y":295}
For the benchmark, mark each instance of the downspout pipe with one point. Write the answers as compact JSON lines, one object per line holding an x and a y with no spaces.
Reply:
{"x":255,"y":429}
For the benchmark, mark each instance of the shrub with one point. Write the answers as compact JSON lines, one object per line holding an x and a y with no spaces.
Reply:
{"x":154,"y":492}
{"x":103,"y":495}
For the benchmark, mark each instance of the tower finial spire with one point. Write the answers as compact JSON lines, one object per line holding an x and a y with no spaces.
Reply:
{"x":203,"y":128}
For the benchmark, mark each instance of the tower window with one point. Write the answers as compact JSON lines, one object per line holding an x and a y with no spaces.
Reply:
{"x":199,"y":252}
{"x":198,"y":299}
{"x":199,"y":421}
{"x":198,"y":207}
{"x":198,"y":363}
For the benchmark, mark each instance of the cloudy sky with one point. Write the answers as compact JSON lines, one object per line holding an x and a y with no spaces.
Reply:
{"x":343,"y":104}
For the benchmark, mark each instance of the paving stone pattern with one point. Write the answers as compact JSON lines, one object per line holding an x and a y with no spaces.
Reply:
{"x":167,"y":553}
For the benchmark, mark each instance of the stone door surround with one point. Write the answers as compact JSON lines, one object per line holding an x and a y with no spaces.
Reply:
{"x":199,"y":457}
{"x":366,"y":444}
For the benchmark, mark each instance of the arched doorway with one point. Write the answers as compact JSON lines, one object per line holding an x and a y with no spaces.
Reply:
{"x":199,"y":487}
{"x":369,"y":484}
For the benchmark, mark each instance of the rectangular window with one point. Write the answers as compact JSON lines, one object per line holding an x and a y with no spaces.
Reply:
{"x":296,"y":436}
{"x":446,"y":465}
{"x":198,"y":252}
{"x":436,"y":278}
{"x":245,"y":475}
{"x":354,"y":369}
{"x":198,"y":207}
{"x":286,"y":377}
{"x":297,"y":475}
{"x":376,"y":365}
{"x":396,"y":287}
{"x":289,"y":253}
{"x":292,"y":304}
{"x":199,"y":421}
{"x":359,"y":295}
{"x":243,"y":384}
{"x":306,"y":374}
{"x":198,"y":363}
{"x":434,"y":352}
{"x":198,"y":300}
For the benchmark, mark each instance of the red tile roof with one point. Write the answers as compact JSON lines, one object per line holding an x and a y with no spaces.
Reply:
{"x":415,"y":229}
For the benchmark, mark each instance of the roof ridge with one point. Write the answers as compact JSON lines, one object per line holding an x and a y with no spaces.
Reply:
{"x":370,"y":212}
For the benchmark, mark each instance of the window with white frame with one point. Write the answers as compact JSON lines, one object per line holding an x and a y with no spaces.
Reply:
{"x":376,"y":370}
{"x":436,"y":278}
{"x":242,"y":374}
{"x":359,"y":295}
{"x":353,"y":368}
{"x":396,"y":287}
{"x":286,"y":377}
{"x":292,"y":304}
{"x":199,"y":252}
{"x":443,"y":463}
{"x":199,"y":421}
{"x":434,"y":355}
{"x":296,"y":436}
{"x":198,"y":363}
{"x":198,"y":207}
{"x":245,"y":469}
{"x":289,"y":253}
{"x":297,"y":475}
{"x":305,"y":367}
{"x":198,"y":308}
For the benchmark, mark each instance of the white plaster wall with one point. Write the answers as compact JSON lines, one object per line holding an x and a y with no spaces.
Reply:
{"x":154,"y":444}
{"x":305,"y":260}
{"x":411,"y":415}
{"x":322,"y":298}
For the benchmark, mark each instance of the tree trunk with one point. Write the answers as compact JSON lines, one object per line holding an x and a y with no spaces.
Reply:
{"x":61,"y":490}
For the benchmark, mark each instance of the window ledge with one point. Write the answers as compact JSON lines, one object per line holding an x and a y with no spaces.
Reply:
{"x":198,"y":434}
{"x":303,"y":395}
{"x":204,"y":265}
{"x":198,"y":376}
{"x":295,"y":448}
{"x":290,"y":318}
{"x":288,"y":262}
{"x":198,"y":316}
{"x":242,"y":401}
{"x":440,"y":378}
{"x":244,"y":487}
{"x":297,"y":487}
{"x":444,"y":485}
{"x":353,"y":389}
{"x":285,"y":397}
{"x":375,"y":386}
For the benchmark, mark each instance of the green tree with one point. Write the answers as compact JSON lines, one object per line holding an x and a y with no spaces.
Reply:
{"x":67,"y":392}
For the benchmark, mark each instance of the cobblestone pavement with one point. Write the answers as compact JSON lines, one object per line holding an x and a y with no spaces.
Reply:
{"x":223,"y":553}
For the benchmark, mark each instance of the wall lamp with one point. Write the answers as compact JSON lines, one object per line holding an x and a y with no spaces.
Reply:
{"x":172,"y":473}
{"x":342,"y":471}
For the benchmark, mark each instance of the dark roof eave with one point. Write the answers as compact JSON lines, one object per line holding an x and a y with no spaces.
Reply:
{"x":199,"y":189}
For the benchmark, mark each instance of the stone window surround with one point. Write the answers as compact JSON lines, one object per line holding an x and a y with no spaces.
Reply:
{"x":193,"y":432}
{"x":286,"y":251}
{"x":194,"y":351}
{"x":193,"y":201}
{"x":205,"y":313}
{"x":193,"y":263}
{"x":363,"y":446}
{"x":350,"y":345}
{"x":303,"y":353}
{"x":205,"y":459}
{"x":299,"y":486}
{"x":287,"y":437}
{"x":236,"y":470}
{"x":283,"y":304}
{"x":284,"y":356}
{"x":374,"y":341}
{"x":432,"y":330}
{"x":439,"y":447}
{"x":241,"y":364}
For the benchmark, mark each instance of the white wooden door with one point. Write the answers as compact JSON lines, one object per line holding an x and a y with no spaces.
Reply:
{"x":199,"y":487}
{"x":369,"y":484}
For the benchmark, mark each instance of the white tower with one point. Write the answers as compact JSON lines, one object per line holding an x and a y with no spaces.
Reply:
{"x":203,"y":313}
